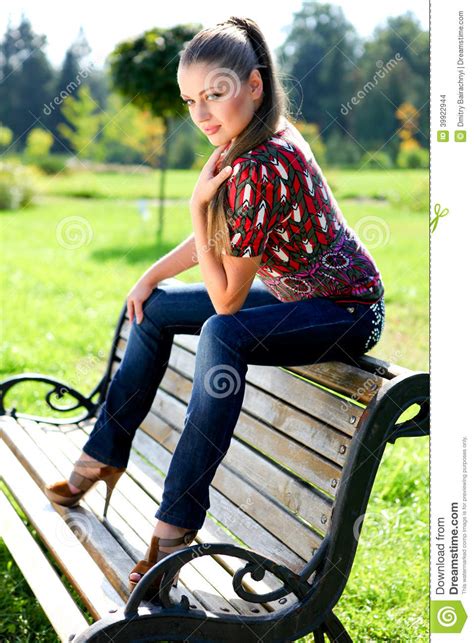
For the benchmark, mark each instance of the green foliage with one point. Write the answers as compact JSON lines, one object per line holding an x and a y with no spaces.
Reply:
{"x":123,"y":134}
{"x":316,"y":61}
{"x":414,"y":158}
{"x":82,"y":114}
{"x":6,"y":136}
{"x":376,"y":160}
{"x":341,"y":150}
{"x":144,"y":69}
{"x":50,"y":164}
{"x":27,"y":78}
{"x":186,"y":139}
{"x":398,"y":52}
{"x":38,"y":142}
{"x":17,"y":186}
{"x":312,"y":134}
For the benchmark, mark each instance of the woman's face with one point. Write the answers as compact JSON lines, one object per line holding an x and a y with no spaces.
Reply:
{"x":216,"y":98}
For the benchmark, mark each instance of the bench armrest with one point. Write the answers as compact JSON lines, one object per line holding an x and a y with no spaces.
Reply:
{"x":60,"y":389}
{"x":257,"y":566}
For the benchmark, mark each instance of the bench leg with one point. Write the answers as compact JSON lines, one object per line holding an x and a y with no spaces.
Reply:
{"x":318,"y":635}
{"x":334,"y":629}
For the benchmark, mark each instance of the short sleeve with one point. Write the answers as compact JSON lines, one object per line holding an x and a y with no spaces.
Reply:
{"x":250,"y":208}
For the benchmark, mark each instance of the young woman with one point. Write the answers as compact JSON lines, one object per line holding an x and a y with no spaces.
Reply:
{"x":261,"y":206}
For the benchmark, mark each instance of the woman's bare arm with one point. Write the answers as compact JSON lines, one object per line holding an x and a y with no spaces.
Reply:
{"x":178,"y":260}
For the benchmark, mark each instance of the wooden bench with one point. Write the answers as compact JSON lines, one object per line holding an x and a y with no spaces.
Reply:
{"x":287,"y":502}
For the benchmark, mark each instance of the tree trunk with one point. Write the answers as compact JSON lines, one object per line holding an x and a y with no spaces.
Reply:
{"x":163,"y":168}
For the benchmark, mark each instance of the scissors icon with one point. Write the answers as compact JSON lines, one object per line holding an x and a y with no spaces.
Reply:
{"x":438,"y":214}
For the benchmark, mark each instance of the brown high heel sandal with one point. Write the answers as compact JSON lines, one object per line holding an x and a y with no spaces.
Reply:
{"x":61,"y":494}
{"x":156,"y":554}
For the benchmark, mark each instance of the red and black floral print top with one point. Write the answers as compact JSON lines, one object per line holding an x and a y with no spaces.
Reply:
{"x":279,"y":205}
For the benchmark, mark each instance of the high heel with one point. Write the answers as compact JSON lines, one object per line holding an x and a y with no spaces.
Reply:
{"x":61,"y":494}
{"x":156,"y":554}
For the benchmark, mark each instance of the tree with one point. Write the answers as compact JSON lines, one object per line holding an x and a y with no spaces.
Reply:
{"x":26,"y":78}
{"x":144,"y":71}
{"x":73,"y":73}
{"x":6,"y":137}
{"x":375,"y":121}
{"x":38,"y":143}
{"x":319,"y":54}
{"x":82,"y":114}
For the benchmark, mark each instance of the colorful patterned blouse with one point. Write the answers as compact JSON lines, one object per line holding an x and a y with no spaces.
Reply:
{"x":279,"y":205}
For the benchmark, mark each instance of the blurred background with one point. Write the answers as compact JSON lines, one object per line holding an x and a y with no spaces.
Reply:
{"x":60,"y":98}
{"x":98,"y":159}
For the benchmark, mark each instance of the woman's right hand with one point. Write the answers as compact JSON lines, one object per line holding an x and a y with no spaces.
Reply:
{"x":135,"y":298}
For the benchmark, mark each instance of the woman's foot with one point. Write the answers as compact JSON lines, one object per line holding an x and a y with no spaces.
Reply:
{"x":87,"y":473}
{"x":162,"y":531}
{"x":91,"y":471}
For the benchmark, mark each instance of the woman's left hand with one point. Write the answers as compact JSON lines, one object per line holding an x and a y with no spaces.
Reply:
{"x":207,"y":183}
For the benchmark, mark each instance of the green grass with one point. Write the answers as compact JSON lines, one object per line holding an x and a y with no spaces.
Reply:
{"x":61,"y":304}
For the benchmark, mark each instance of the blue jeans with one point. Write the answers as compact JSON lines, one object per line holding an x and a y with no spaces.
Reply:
{"x":264,"y":331}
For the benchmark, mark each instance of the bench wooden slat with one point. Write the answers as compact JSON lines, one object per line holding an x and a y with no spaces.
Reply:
{"x":268,"y":414}
{"x":321,"y":473}
{"x":147,"y":477}
{"x":305,"y":396}
{"x":290,"y":454}
{"x":303,"y":444}
{"x":99,"y":542}
{"x":246,"y":532}
{"x":127,"y":498}
{"x":94,"y":588}
{"x":132,"y":512}
{"x":55,"y":600}
{"x":347,"y":379}
{"x":316,"y":509}
{"x":45,"y":438}
{"x":251,"y":499}
{"x":282,"y":486}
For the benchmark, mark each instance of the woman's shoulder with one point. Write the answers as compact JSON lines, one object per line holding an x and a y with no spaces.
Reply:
{"x":285,"y":146}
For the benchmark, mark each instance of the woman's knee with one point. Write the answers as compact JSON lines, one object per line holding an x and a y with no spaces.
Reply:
{"x":157,"y":307}
{"x":220,"y":331}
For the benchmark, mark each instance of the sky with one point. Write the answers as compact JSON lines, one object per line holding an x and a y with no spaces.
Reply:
{"x":106,"y":23}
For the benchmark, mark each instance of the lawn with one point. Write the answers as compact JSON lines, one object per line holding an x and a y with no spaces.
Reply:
{"x":68,"y":264}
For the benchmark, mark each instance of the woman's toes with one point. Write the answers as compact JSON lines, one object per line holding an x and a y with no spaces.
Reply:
{"x":135,"y":577}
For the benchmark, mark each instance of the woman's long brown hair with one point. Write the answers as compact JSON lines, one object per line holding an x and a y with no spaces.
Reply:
{"x":234,"y":48}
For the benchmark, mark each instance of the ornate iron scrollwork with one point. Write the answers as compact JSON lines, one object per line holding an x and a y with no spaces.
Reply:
{"x":60,"y":389}
{"x":256,"y":566}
